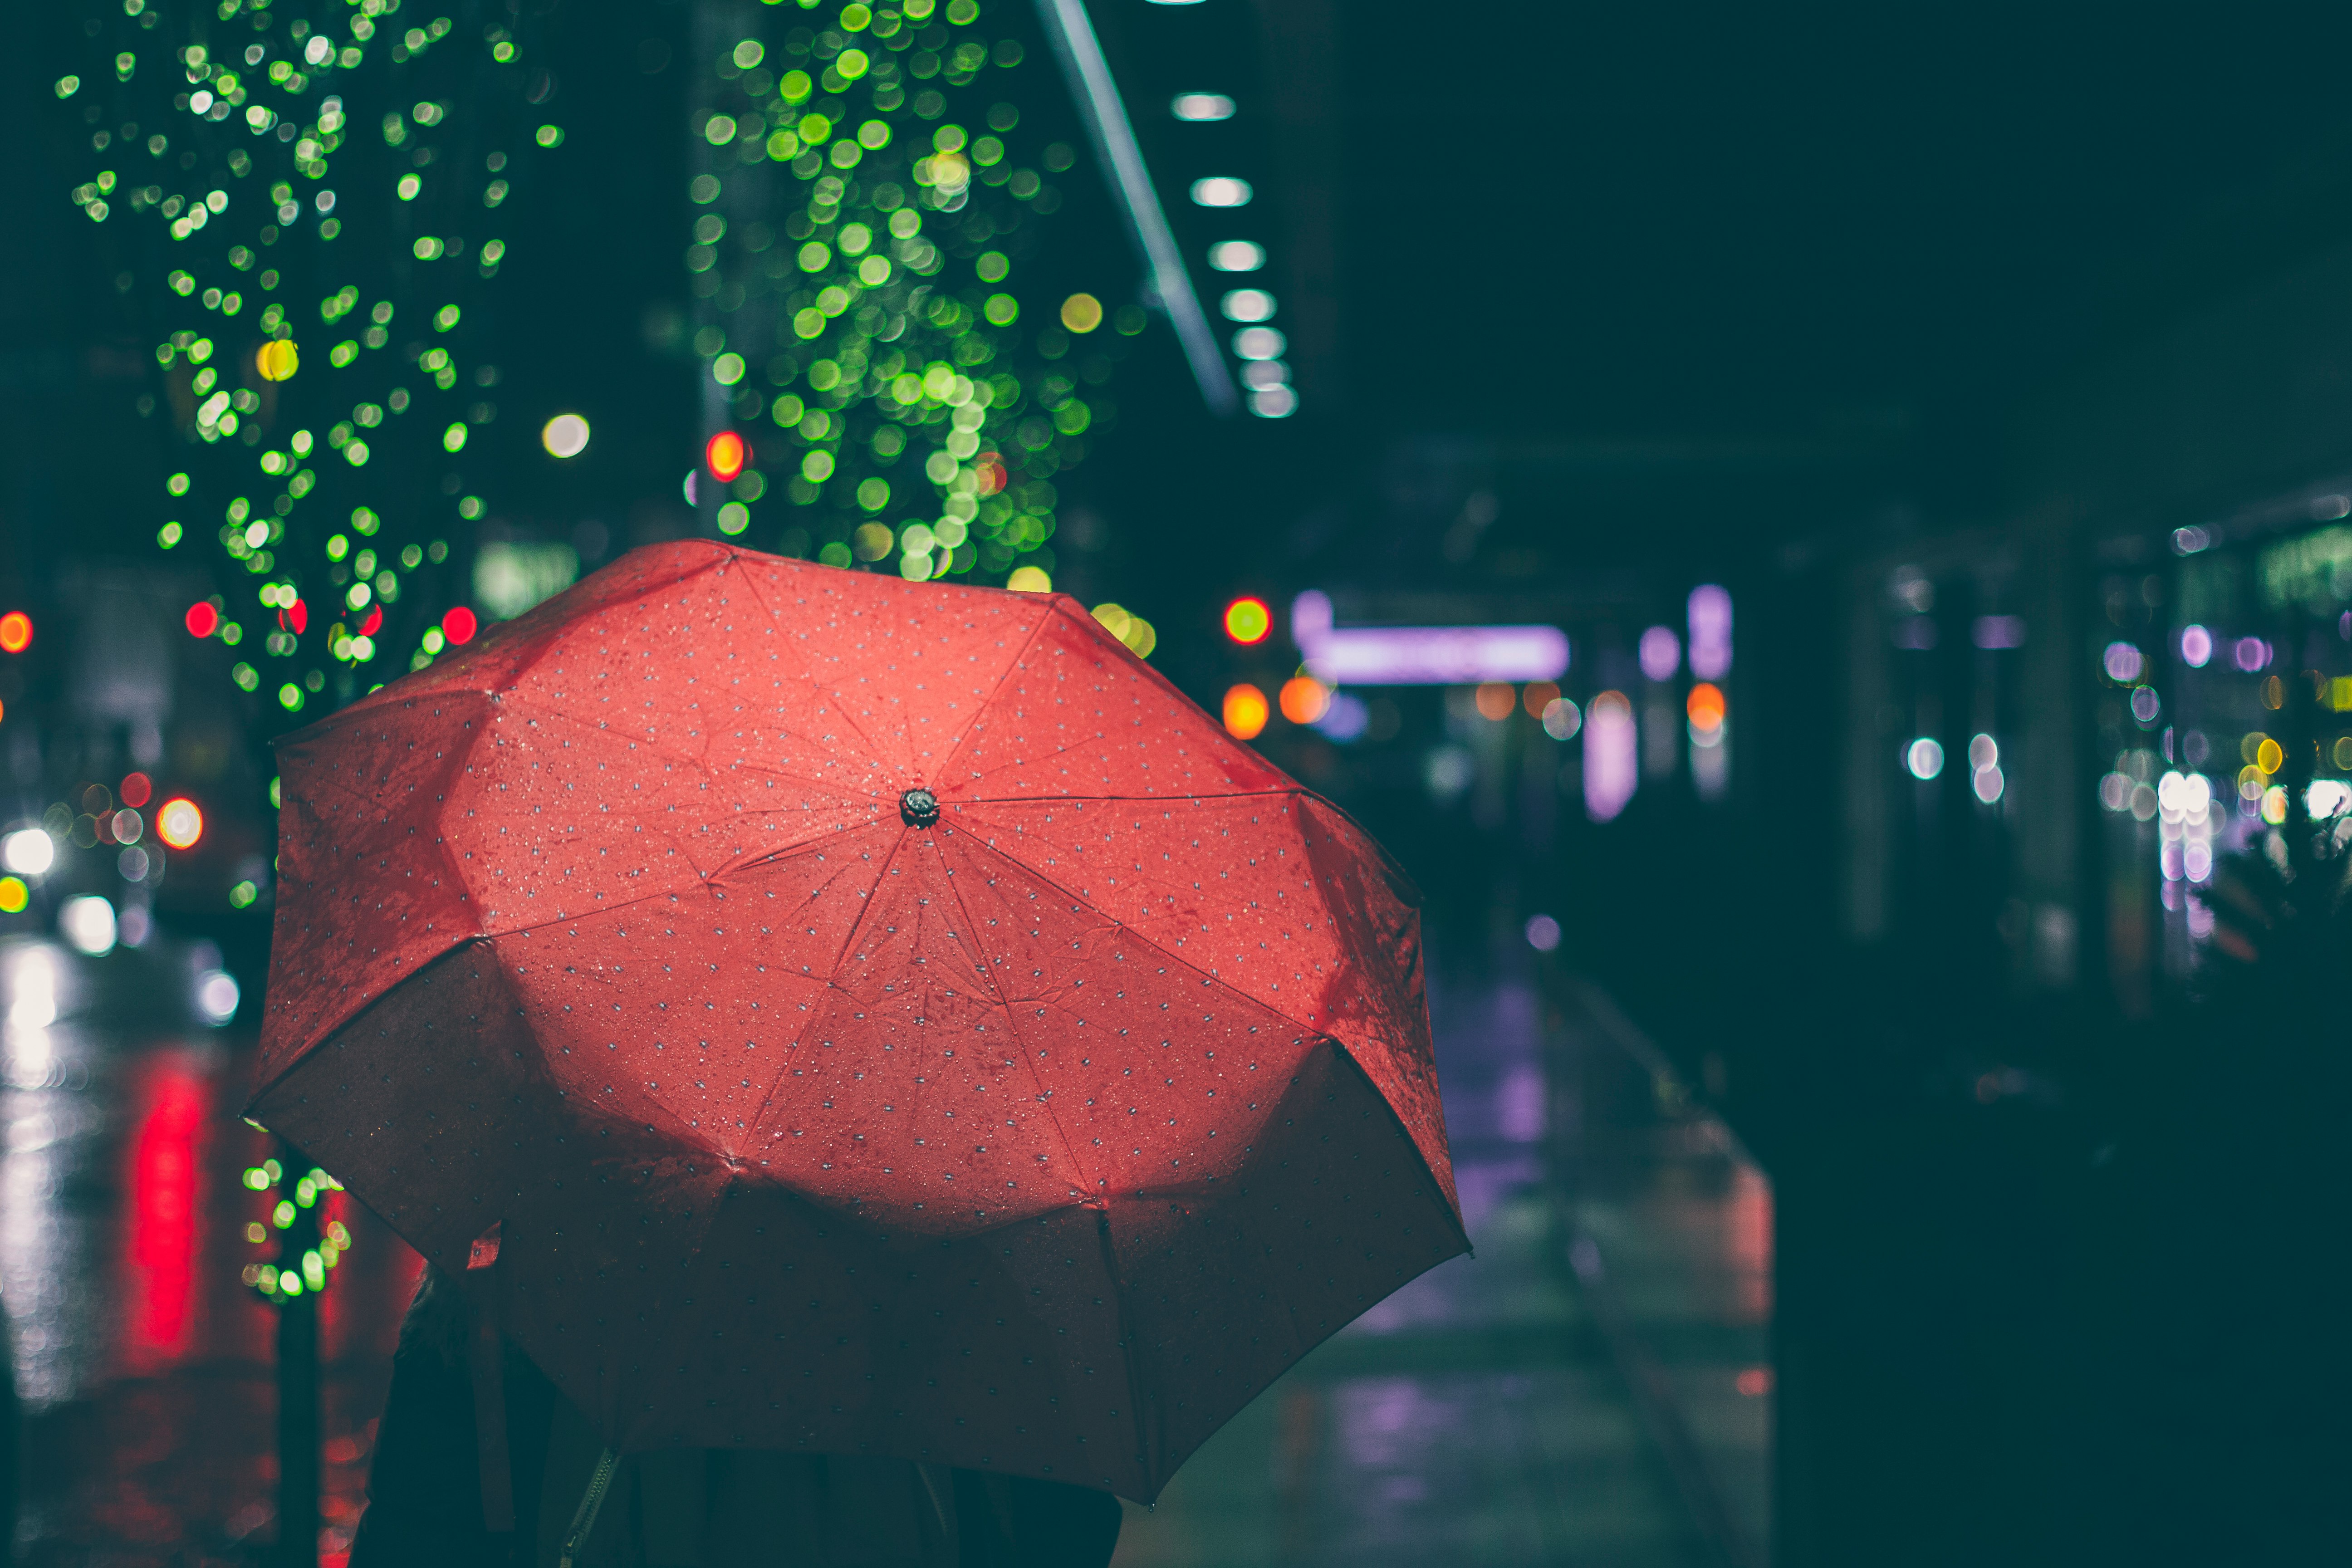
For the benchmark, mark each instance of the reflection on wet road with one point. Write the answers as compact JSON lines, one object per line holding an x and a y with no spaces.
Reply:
{"x":143,"y":1365}
{"x":1591,"y":1387}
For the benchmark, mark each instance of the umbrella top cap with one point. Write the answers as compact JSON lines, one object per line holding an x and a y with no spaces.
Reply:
{"x":918,"y":808}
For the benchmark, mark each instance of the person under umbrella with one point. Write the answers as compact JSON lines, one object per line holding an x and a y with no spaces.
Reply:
{"x":573,"y":1503}
{"x":821,"y":1020}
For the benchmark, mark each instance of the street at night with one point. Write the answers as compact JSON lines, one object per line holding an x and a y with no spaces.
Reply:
{"x":1172,"y":784}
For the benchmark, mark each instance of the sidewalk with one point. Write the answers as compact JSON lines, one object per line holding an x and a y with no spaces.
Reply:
{"x":1493,"y":1411}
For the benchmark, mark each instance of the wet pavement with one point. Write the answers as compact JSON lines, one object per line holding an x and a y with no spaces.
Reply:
{"x":143,"y":1364}
{"x":1591,"y":1387}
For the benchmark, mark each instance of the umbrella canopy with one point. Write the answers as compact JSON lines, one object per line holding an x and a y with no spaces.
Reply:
{"x":882,"y":1018}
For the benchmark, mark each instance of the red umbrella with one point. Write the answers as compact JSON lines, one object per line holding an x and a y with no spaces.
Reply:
{"x":882,"y":1018}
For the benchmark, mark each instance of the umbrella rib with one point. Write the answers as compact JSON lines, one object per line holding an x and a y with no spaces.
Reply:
{"x":833,"y":975}
{"x":1299,"y":791}
{"x":873,"y":751}
{"x":702,"y":761}
{"x":1206,"y":977}
{"x":980,"y":708}
{"x":1068,"y":1148}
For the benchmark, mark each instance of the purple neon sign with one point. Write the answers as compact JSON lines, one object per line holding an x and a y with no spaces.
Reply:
{"x":1422,"y":655}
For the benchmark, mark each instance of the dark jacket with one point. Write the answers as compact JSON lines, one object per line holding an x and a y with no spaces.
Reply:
{"x":699,"y":1509}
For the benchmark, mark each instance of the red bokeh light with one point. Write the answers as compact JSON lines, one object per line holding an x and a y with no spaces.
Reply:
{"x":375,"y":618}
{"x":296,"y":617}
{"x":727,"y":455}
{"x":203,"y":619}
{"x":459,"y":624}
{"x":137,"y":789}
{"x":15,"y":632}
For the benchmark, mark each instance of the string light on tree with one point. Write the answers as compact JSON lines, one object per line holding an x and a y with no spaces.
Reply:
{"x":869,"y":212}
{"x":310,"y":201}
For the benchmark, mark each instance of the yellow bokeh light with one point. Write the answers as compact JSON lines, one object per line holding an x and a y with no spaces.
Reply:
{"x":180,"y":824}
{"x":1245,"y":712}
{"x":1030,"y":580}
{"x":277,"y":361}
{"x":1082,"y":313}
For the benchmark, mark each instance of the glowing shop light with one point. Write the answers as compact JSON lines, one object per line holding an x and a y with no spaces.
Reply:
{"x":1202,"y":106}
{"x":1219,"y":191}
{"x":1259,"y":343}
{"x":1237,"y":256}
{"x":727,"y":455}
{"x":1248,"y":620}
{"x":180,"y":823}
{"x":1422,"y":655}
{"x":1709,"y":609}
{"x":1661,"y":652}
{"x":1245,"y":712}
{"x":1998,"y":631}
{"x":1345,"y":718}
{"x":1247,"y":305}
{"x":1610,"y":773}
{"x":565,"y":435}
{"x":87,"y":923}
{"x":29,"y":852}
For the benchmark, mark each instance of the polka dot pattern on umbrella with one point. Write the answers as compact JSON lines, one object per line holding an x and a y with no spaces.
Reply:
{"x":882,"y":1018}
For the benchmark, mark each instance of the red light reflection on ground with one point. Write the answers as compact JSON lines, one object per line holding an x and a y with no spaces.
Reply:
{"x":173,"y":1100}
